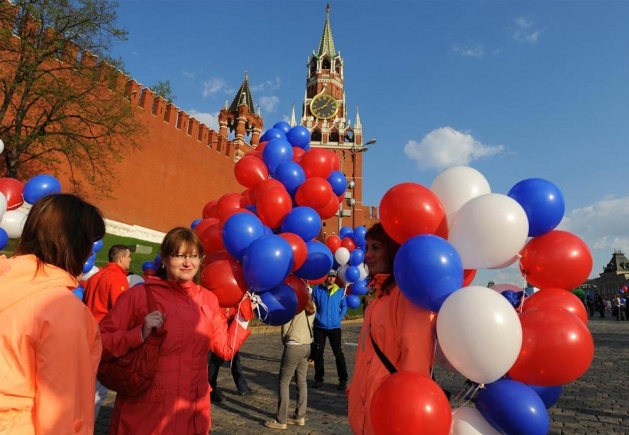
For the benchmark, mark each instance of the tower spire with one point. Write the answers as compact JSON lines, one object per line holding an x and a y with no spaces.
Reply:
{"x":243,"y":96}
{"x":326,"y":45}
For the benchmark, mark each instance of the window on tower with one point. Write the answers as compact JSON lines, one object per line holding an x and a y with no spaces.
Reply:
{"x":315,"y":136}
{"x":325,"y":64}
{"x":334,"y":136}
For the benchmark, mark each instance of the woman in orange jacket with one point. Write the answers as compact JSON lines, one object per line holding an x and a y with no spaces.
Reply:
{"x":403,"y":332}
{"x":49,"y":340}
{"x":178,"y":401}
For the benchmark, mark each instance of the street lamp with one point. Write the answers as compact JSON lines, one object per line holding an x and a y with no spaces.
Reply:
{"x":351,"y":184}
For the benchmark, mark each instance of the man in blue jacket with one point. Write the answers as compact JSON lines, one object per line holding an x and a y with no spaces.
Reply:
{"x":331,"y":308}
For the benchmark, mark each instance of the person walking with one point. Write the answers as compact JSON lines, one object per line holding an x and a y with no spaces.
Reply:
{"x":49,"y":340}
{"x":331,"y":306}
{"x":102,"y":290}
{"x":235,"y":366}
{"x":296,"y":337}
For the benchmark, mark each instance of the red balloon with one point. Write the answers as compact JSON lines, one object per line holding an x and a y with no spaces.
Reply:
{"x":204,"y":225}
{"x":333,"y":242}
{"x":313,"y":282}
{"x":317,"y":162}
{"x":12,"y":190}
{"x":410,"y":209}
{"x":227,"y":202}
{"x":468,"y":276}
{"x":556,"y":297}
{"x":336,"y":164}
{"x":210,"y":210}
{"x":260,"y":148}
{"x":224,"y":277}
{"x":301,"y":290}
{"x":299,"y":247}
{"x":273,"y":205}
{"x":314,"y":192}
{"x":410,"y":403}
{"x":557,"y":347}
{"x":212,"y":239}
{"x":270,"y":183}
{"x":250,"y":170}
{"x":297,"y":153}
{"x":330,"y":209}
{"x":230,"y":213}
{"x":347,"y":242}
{"x":556,"y":259}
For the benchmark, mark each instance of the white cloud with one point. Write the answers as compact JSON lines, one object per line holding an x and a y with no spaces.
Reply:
{"x":603,"y":225}
{"x":269,"y":103}
{"x":209,"y":119}
{"x":188,"y":74}
{"x":268,"y":85}
{"x":446,"y":147}
{"x":524,"y":31}
{"x":476,"y":51}
{"x":214,"y":86}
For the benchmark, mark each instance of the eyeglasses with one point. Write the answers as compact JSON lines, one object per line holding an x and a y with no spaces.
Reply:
{"x":181,"y":257}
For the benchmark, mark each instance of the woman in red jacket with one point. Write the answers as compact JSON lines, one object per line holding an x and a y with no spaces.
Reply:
{"x":404,"y":332}
{"x":178,"y":401}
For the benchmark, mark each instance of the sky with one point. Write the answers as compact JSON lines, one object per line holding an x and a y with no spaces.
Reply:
{"x":513,"y":89}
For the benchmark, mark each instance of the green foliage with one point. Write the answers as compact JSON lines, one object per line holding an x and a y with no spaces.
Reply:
{"x":164,"y":90}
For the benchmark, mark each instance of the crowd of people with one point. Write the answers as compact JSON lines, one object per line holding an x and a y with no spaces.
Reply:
{"x":49,"y":366}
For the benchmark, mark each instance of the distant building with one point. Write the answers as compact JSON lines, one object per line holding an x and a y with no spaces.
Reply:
{"x":614,"y":276}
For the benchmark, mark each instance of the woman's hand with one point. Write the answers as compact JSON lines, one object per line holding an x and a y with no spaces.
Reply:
{"x":152,"y":320}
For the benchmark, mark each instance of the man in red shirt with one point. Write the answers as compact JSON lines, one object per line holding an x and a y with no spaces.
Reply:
{"x":101,"y":292}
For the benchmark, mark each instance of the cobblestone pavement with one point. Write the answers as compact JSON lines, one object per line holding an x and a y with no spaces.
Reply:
{"x":596,"y":403}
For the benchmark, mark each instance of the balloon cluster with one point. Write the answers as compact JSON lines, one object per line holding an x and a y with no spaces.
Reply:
{"x":13,"y":194}
{"x":517,"y":349}
{"x":264,"y":239}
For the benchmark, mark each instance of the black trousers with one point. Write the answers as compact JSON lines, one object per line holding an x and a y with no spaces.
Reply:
{"x":334,"y":336}
{"x":236,"y":368}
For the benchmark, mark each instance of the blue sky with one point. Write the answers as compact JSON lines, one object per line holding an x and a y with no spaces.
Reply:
{"x":514,"y":89}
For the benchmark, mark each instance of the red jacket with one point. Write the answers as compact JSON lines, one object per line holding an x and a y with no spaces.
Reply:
{"x":405,"y":334}
{"x":103,"y":289}
{"x":179,"y":400}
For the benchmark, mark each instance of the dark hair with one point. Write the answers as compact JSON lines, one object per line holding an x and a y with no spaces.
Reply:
{"x":377,"y":233}
{"x":177,"y":238}
{"x":116,"y":252}
{"x":61,"y":230}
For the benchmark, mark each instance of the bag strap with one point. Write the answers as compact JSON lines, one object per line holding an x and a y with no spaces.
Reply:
{"x":388,"y":364}
{"x":150,"y":299}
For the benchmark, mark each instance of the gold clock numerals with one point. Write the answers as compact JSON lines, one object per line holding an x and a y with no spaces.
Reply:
{"x":323,"y":106}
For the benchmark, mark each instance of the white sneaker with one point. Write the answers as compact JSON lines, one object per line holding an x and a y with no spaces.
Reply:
{"x":298,"y":421}
{"x":274,"y":424}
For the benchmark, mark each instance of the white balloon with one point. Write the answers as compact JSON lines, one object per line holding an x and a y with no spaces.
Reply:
{"x":364,"y":271}
{"x":91,"y":272}
{"x":342,"y":255}
{"x":480,"y":333}
{"x":340,"y":272}
{"x":457,"y":185}
{"x":13,"y":223}
{"x":3,"y":205}
{"x":1,"y":146}
{"x":489,"y":230}
{"x":134,"y":279}
{"x":468,"y":421}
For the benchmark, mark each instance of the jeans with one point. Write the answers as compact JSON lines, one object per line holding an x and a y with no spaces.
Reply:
{"x":101,"y":393}
{"x":294,"y":361}
{"x":334,"y":336}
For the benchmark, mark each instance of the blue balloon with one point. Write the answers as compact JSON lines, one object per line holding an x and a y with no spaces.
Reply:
{"x":549,"y":395}
{"x":194,"y":223}
{"x":514,"y":298}
{"x":353,"y":301}
{"x":303,"y":221}
{"x":79,"y":292}
{"x":360,"y":288}
{"x":291,"y":175}
{"x":282,"y":125}
{"x":4,"y":239}
{"x":338,"y":182}
{"x":299,"y":136}
{"x":98,"y":245}
{"x":356,"y":257}
{"x":40,"y":185}
{"x":318,"y":261}
{"x":352,"y":274}
{"x":279,"y":305}
{"x":272,"y":133}
{"x":267,"y":262}
{"x":512,"y":407}
{"x":239,"y":231}
{"x":428,"y":269}
{"x":157,"y":261}
{"x":276,"y":152}
{"x":346,"y":232}
{"x":87,"y":266}
{"x":543,"y":203}
{"x":148,"y":265}
{"x":359,"y":236}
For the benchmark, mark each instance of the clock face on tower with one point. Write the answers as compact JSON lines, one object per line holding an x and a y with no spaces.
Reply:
{"x":324,"y":106}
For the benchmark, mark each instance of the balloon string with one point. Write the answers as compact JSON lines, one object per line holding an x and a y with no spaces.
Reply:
{"x":466,"y":395}
{"x":256,"y":303}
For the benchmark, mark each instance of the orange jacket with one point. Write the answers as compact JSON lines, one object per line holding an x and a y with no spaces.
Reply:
{"x":50,"y":347}
{"x":179,"y":400}
{"x":103,"y":289}
{"x":405,"y":334}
